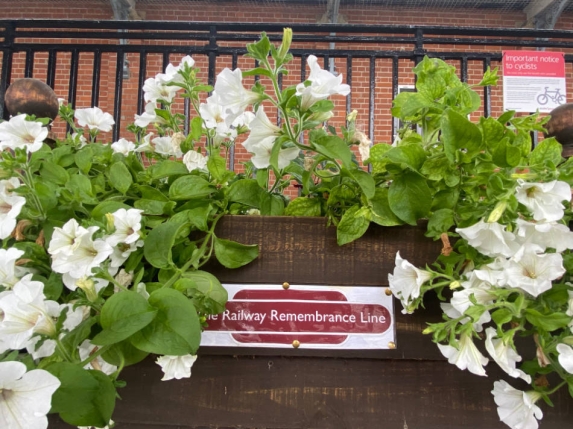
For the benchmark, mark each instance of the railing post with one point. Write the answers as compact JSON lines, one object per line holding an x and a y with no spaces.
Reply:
{"x":212,"y":48}
{"x":6,"y":66}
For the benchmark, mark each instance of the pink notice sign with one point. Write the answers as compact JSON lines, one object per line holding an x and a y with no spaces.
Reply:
{"x":318,"y":317}
{"x":533,"y":80}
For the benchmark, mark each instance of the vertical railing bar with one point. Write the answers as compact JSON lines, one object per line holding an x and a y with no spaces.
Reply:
{"x":234,"y":63}
{"x":349,"y":82}
{"x":29,"y":65}
{"x":141,"y":81}
{"x":51,"y":72}
{"x":6,"y":73}
{"x":118,"y":92}
{"x":395,"y":89}
{"x":464,"y":67}
{"x":371,"y":101}
{"x":212,"y":49}
{"x":72,"y":90}
{"x":165,"y":61}
{"x":96,"y":77}
{"x":486,"y":91}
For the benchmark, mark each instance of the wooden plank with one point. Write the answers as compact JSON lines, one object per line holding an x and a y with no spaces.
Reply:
{"x":293,"y":393}
{"x":303,"y":250}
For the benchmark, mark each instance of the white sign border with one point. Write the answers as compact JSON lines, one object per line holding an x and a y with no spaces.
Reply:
{"x":353,"y":294}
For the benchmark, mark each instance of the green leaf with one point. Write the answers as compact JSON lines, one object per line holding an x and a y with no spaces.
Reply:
{"x":54,"y":173}
{"x":234,"y":255}
{"x":365,"y":181}
{"x":204,"y":289}
{"x":501,"y":316}
{"x":334,"y":148}
{"x":380,"y":209}
{"x":154,"y":207}
{"x":217,"y":166}
{"x":167,"y":168}
{"x":196,"y":129}
{"x":440,"y":221}
{"x":188,"y":187}
{"x":124,"y":352}
{"x":548,"y":322}
{"x":271,"y":204}
{"x":353,"y":225}
{"x":378,"y":158}
{"x":105,"y":207}
{"x":160,"y":241}
{"x":506,"y":155}
{"x":258,"y":71}
{"x":84,"y":398}
{"x":303,"y":206}
{"x":462,"y":139}
{"x":245,"y":191}
{"x":175,"y":331}
{"x":122,"y":315}
{"x":47,"y":194}
{"x":411,"y":155}
{"x":81,"y":188}
{"x":84,"y":158}
{"x":549,"y":150}
{"x":120,"y":177}
{"x":75,"y":337}
{"x":410,"y":197}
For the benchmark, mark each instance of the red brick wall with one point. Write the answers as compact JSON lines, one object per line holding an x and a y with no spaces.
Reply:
{"x":233,"y":11}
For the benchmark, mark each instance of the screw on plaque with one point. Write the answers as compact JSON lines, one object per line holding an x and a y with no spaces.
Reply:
{"x":286,"y":285}
{"x":388,"y":291}
{"x":391,"y":345}
{"x":296,"y":344}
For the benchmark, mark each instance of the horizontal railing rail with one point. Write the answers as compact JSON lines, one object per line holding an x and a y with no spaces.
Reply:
{"x":348,"y":42}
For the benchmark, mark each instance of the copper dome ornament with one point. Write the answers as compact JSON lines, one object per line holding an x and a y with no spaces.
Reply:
{"x":560,"y":126}
{"x":33,"y":97}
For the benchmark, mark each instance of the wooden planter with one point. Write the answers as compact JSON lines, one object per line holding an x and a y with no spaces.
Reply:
{"x":411,"y":387}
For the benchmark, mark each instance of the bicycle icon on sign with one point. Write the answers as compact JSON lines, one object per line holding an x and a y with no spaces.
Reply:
{"x":554,"y":96}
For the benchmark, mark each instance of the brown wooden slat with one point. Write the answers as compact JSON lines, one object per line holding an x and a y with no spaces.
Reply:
{"x":296,"y":393}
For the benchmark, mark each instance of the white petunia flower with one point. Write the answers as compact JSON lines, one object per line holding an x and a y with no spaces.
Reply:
{"x":176,"y":366}
{"x":149,"y":116}
{"x":172,"y":73}
{"x":26,"y":313}
{"x":10,"y":207}
{"x":262,"y":153}
{"x":406,"y":281}
{"x":533,"y":272}
{"x":67,"y":238}
{"x":145,"y":144}
{"x":123,"y":146}
{"x":8,"y":270}
{"x":565,"y":357}
{"x":490,"y":238}
{"x":466,"y":357}
{"x":26,"y":396}
{"x":79,"y":139}
{"x":195,"y":161}
{"x":261,"y":128}
{"x":86,"y":349}
{"x":231,"y":93}
{"x":20,"y":133}
{"x":504,"y":355}
{"x":120,"y":254}
{"x":47,"y":348}
{"x":323,"y":85}
{"x":451,"y":312}
{"x":544,"y":200}
{"x":167,"y":146}
{"x":480,"y":290}
{"x":94,"y":118}
{"x":155,"y":91}
{"x":515,"y":408}
{"x":544,"y":235}
{"x":88,"y":254}
{"x":127,"y":225}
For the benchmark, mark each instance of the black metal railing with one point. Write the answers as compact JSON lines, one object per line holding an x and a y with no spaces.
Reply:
{"x":215,"y":41}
